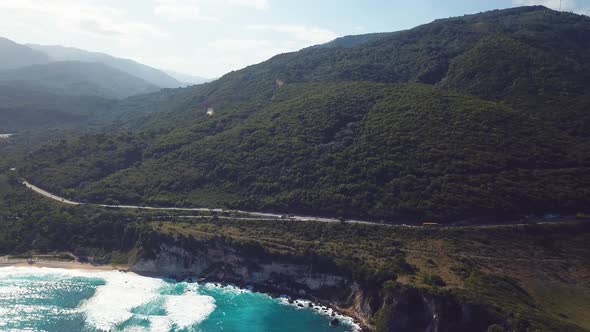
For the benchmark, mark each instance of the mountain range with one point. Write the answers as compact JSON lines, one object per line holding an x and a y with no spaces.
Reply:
{"x":13,"y":55}
{"x":468,"y":117}
{"x":78,"y":79}
{"x":56,"y":86}
{"x":151,"y":75}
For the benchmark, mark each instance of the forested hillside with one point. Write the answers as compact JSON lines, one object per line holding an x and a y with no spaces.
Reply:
{"x":23,"y":106}
{"x":473,"y":116}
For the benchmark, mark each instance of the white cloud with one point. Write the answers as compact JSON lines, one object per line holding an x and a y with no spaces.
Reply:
{"x":566,"y":5}
{"x":123,"y":28}
{"x":193,"y":9}
{"x":239,"y":44}
{"x":76,"y":16}
{"x":243,"y":52}
{"x":262,"y":43}
{"x":238,"y":53}
{"x":257,"y":4}
{"x":181,"y":10}
{"x":310,"y":35}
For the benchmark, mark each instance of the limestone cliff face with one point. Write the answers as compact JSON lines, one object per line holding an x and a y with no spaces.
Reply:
{"x":408,"y":309}
{"x":404,"y":309}
{"x":228,"y":265}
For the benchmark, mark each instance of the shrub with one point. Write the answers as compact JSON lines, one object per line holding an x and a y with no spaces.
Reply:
{"x":433,"y":280}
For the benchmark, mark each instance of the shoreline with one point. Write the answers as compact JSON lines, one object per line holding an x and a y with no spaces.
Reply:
{"x":58,"y":264}
{"x":317,"y":305}
{"x":293,"y":299}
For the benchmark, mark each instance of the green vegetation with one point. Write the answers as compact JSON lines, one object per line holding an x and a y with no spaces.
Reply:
{"x":23,"y":107}
{"x":30,"y":224}
{"x":483,"y":115}
{"x":496,"y":328}
{"x":358,"y":149}
{"x":433,"y":280}
{"x":500,"y":267}
{"x":495,"y":124}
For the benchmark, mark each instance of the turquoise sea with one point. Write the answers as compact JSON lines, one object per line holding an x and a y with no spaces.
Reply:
{"x":41,"y":299}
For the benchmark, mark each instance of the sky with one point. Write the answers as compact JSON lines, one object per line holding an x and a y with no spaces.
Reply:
{"x":209,"y":38}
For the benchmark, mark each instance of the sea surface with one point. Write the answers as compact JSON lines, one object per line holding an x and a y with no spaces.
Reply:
{"x":42,"y":299}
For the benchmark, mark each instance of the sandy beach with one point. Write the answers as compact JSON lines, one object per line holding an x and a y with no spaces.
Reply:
{"x":56,"y":264}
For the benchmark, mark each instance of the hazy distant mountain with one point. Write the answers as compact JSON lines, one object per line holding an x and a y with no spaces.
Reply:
{"x":24,"y":106}
{"x":78,"y":79}
{"x":149,"y":74}
{"x":13,"y":55}
{"x":188,"y":79}
{"x":39,"y":88}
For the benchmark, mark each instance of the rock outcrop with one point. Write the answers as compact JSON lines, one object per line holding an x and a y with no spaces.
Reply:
{"x":409,"y":310}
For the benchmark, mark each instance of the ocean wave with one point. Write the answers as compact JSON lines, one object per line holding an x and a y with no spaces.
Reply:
{"x":226,"y":289}
{"x":112,"y":303}
{"x":121,"y":297}
{"x":117,"y":301}
{"x":189,"y":309}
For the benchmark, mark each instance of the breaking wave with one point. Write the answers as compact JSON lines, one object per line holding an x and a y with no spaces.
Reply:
{"x":43,"y":299}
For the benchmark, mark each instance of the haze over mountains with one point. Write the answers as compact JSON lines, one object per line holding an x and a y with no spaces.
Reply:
{"x":146,"y":73}
{"x":78,"y":79}
{"x":188,"y":79}
{"x":48,"y":86}
{"x":465,"y":117}
{"x":13,"y":55}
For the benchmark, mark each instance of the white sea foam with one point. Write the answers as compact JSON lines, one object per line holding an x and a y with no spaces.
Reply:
{"x":189,"y":309}
{"x":112,"y":303}
{"x":160,"y":324}
{"x":322,"y":310}
{"x":136,"y":329}
{"x":227,"y":289}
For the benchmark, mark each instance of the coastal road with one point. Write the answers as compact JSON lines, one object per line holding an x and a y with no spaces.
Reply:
{"x":48,"y":194}
{"x":251,"y":215}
